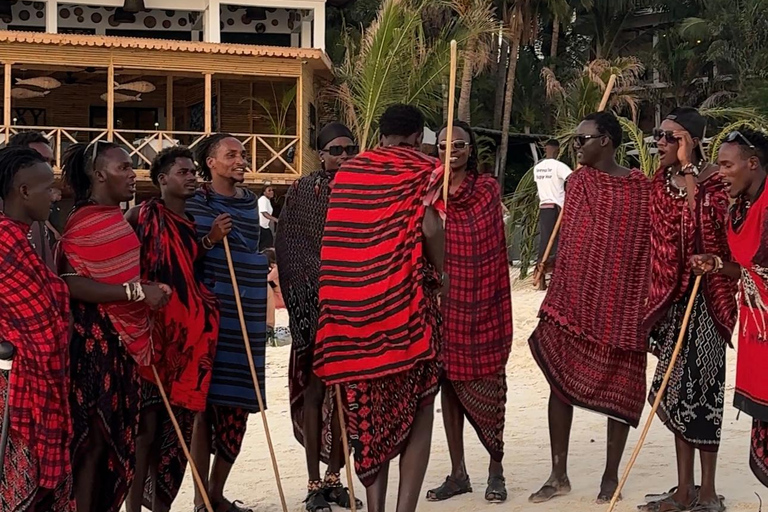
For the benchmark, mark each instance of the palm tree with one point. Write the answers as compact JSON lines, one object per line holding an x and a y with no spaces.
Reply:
{"x":396,"y":61}
{"x":735,"y":33}
{"x":478,"y":17}
{"x":521,"y":23}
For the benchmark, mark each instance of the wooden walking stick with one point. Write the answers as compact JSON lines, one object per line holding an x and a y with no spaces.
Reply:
{"x":345,"y":445}
{"x":184,"y":448}
{"x":539,"y":273}
{"x":255,"y":378}
{"x":449,"y":128}
{"x":659,"y":394}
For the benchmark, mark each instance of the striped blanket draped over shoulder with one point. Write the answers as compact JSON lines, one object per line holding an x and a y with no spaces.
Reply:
{"x":372,"y":302}
{"x":100,"y":245}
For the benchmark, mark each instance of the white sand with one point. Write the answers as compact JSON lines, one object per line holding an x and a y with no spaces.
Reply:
{"x":527,"y":446}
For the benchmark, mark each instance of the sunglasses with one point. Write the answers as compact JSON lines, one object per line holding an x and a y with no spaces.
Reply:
{"x":350,"y":150}
{"x":737,"y":137}
{"x":95,"y":152}
{"x":667,"y":135}
{"x":583,"y":139}
{"x":457,"y":145}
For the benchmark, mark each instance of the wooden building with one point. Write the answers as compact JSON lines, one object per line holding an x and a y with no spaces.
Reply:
{"x":165,"y":87}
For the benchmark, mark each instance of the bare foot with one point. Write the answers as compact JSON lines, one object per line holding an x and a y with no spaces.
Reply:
{"x":607,"y":489}
{"x":552,"y":488}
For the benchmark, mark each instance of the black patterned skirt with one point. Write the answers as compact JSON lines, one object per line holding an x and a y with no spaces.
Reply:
{"x":692,"y":406}
{"x":106,"y":393}
{"x":483,"y":402}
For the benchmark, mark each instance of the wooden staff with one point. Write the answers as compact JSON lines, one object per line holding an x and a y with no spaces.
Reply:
{"x":538,"y":275}
{"x":256,"y":386}
{"x":184,"y":448}
{"x":449,"y":128}
{"x":659,"y":393}
{"x":345,"y":445}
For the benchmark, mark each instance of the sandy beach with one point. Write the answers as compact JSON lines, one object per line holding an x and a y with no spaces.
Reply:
{"x":527,"y":458}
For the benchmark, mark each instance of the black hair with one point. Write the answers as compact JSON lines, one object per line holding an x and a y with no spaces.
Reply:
{"x":77,"y":167}
{"x":165,"y":159}
{"x":402,"y":120}
{"x":553,"y":143}
{"x":205,"y":149}
{"x":24,"y":139}
{"x":12,"y":160}
{"x":271,"y":255}
{"x":759,"y":140}
{"x":472,"y":160}
{"x":266,"y":187}
{"x":608,"y":124}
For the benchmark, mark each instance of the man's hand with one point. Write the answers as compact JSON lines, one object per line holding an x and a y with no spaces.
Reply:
{"x":703,"y":264}
{"x":220,"y":228}
{"x":685,"y":147}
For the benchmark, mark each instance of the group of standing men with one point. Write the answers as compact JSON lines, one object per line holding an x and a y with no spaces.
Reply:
{"x":131,"y":307}
{"x":392,"y":296}
{"x":629,"y":250}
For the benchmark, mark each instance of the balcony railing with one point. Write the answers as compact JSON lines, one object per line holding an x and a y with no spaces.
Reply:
{"x":267,"y":154}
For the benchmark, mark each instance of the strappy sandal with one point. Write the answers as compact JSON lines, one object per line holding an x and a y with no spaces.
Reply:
{"x":656,"y":497}
{"x":711,"y":507}
{"x":497,"y":489}
{"x":655,"y":506}
{"x":316,"y":502}
{"x":340,"y":496}
{"x":450,"y":489}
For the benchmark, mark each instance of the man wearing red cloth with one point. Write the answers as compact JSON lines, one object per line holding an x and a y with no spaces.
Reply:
{"x":589,"y":342}
{"x":184,"y":332}
{"x":743,"y":159}
{"x":378,"y":331}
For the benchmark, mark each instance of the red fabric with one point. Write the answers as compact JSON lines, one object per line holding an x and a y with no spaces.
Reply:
{"x":676,"y":235}
{"x":100,"y":245}
{"x":34,"y":317}
{"x":749,"y":245}
{"x":477,"y":310}
{"x":186,"y":330}
{"x":602,"y":273}
{"x":372,"y":301}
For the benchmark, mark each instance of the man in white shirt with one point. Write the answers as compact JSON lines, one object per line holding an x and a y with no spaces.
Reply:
{"x":266,"y":238}
{"x":550,"y":175}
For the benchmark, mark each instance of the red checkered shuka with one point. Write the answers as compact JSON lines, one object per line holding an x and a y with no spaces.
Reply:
{"x":34,"y":317}
{"x":477,"y":310}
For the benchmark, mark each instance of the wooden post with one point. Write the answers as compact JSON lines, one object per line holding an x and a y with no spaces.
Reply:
{"x":218,"y":106}
{"x":300,"y":122}
{"x":7,"y":101}
{"x":169,"y":105}
{"x":111,"y":101}
{"x":208,"y":102}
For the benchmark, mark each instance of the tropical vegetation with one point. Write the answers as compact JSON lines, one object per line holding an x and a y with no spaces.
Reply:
{"x":539,"y":66}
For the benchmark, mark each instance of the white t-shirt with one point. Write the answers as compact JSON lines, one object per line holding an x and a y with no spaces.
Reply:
{"x":265,"y":205}
{"x":550,"y":175}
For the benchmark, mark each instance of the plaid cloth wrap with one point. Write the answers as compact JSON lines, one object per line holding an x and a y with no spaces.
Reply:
{"x":372,"y":299}
{"x":602,"y":276}
{"x":34,"y":316}
{"x":477,"y":310}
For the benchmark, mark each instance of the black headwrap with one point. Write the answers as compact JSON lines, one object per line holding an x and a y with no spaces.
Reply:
{"x":332,"y":131}
{"x":690,"y":119}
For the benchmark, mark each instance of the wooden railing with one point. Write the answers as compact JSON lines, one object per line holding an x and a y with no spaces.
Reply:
{"x":267,"y":154}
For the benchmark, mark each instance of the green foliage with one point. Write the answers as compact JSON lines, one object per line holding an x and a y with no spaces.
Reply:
{"x":395,"y":61}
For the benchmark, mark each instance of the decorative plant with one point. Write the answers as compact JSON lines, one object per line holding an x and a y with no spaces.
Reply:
{"x":276,"y":113}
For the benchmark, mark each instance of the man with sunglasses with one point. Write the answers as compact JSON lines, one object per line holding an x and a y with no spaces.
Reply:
{"x":689,"y":208}
{"x":550,"y":175}
{"x":589,"y":342}
{"x":743,"y":159}
{"x":298,"y":256}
